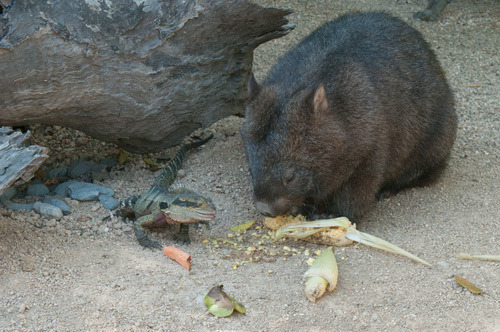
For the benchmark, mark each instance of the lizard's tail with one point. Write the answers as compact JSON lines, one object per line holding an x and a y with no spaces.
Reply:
{"x":167,"y":176}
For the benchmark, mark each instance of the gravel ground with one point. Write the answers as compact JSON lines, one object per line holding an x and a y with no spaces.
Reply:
{"x":81,"y":273}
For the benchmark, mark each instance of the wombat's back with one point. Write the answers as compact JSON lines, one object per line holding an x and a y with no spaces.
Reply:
{"x":377,"y":40}
{"x":359,"y":106}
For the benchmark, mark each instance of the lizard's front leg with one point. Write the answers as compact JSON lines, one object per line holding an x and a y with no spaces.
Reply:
{"x":183,"y":235}
{"x":140,"y":232}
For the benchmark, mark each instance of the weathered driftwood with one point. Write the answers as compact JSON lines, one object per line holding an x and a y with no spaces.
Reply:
{"x":18,"y":161}
{"x":141,"y":74}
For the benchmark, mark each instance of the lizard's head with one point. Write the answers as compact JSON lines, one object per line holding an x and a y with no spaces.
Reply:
{"x":189,"y":207}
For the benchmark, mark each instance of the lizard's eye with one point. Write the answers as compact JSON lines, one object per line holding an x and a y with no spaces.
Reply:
{"x":163,"y":205}
{"x":185,"y":203}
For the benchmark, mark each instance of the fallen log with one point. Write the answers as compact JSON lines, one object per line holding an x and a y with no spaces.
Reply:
{"x":140,"y":74}
{"x":18,"y":161}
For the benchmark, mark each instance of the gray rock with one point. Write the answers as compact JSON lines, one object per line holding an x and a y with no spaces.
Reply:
{"x":85,"y":191}
{"x":19,"y":207}
{"x":37,"y":190}
{"x":108,"y":202}
{"x":98,"y":168}
{"x":8,"y":194}
{"x":57,"y":202}
{"x":84,"y":194}
{"x":109,"y":162}
{"x":62,"y":188}
{"x":80,"y":167}
{"x":58,"y":172}
{"x":99,"y":172}
{"x":48,"y":210}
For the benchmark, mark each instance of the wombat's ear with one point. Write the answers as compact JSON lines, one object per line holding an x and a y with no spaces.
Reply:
{"x":320,"y":102}
{"x":253,"y":87}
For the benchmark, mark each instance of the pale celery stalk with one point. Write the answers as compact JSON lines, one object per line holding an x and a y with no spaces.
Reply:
{"x":298,"y":230}
{"x":494,"y":258}
{"x":322,"y":275}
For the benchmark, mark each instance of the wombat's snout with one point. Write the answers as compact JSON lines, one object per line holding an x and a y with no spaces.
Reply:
{"x":272,"y":209}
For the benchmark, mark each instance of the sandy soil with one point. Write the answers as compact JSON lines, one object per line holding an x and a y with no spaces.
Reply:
{"x":82,"y":274}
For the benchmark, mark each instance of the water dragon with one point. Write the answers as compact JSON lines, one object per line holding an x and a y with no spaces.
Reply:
{"x":161,"y":205}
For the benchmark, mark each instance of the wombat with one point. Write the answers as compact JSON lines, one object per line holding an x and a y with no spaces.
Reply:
{"x":359,"y":108}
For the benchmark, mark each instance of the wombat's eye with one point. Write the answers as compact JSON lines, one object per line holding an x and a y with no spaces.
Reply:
{"x":288,"y":176}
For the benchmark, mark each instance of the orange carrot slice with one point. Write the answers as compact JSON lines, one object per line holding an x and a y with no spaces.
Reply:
{"x":179,"y":256}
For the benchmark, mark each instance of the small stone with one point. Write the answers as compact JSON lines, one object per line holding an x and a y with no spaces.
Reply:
{"x":109,"y":162}
{"x":19,"y":207}
{"x":28,"y":264}
{"x":85,"y":191}
{"x":126,"y":228}
{"x":57,"y":202}
{"x":62,"y":188}
{"x":58,"y":172}
{"x":99,"y":172}
{"x":108,"y":202}
{"x":37,"y":190}
{"x":22,"y":308}
{"x":103,"y":229}
{"x":181,"y":173}
{"x":48,"y":210}
{"x":80,"y":167}
{"x":8,"y":194}
{"x":82,"y":141}
{"x":52,"y":223}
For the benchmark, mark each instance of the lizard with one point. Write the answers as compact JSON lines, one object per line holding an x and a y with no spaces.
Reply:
{"x":162,"y":205}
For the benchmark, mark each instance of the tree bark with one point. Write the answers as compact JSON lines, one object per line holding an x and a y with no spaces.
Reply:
{"x":18,"y":162}
{"x":141,"y":74}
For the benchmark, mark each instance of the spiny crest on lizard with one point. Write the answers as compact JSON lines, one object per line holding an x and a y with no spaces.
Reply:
{"x":164,"y":205}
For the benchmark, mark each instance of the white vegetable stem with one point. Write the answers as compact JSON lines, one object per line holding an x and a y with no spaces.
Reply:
{"x":494,"y":258}
{"x":376,"y":242}
{"x":305,"y":229}
{"x":322,"y":275}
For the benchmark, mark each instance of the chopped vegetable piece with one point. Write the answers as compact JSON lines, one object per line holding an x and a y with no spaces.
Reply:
{"x":150,"y":162}
{"x":179,"y":256}
{"x":238,"y":306}
{"x":347,"y":232}
{"x":124,"y":157}
{"x":322,"y":275}
{"x":242,"y":227}
{"x":494,"y":258}
{"x":220,"y":304}
{"x":468,"y":285}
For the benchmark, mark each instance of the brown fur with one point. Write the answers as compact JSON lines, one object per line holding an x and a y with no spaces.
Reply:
{"x":358,"y":108}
